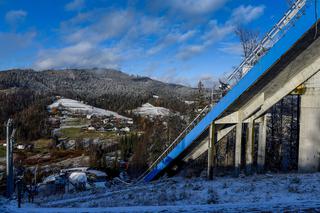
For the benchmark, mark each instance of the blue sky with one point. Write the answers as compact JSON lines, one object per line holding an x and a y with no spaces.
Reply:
{"x":180,"y":41}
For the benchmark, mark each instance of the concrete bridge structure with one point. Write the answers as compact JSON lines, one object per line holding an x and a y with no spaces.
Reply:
{"x":290,"y":65}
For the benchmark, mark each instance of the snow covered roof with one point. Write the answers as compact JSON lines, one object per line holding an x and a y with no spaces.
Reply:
{"x":189,"y":102}
{"x":97,"y":173}
{"x":79,"y":107}
{"x":51,"y":178}
{"x":78,"y":177}
{"x":148,"y":109}
{"x":82,"y":169}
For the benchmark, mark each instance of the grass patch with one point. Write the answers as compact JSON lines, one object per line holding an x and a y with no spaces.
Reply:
{"x":71,"y":132}
{"x":74,"y":133}
{"x":42,"y":143}
{"x":76,"y":122}
{"x":3,"y":151}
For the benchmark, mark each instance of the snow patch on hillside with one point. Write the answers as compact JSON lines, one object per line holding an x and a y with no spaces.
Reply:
{"x":151,"y":111}
{"x":75,"y":106}
{"x":268,"y":193}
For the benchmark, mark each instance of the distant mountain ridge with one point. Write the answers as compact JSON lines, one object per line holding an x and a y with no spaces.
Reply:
{"x":90,"y":82}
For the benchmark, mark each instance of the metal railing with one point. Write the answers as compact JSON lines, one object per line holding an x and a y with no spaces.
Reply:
{"x":270,"y":39}
{"x":191,"y":125}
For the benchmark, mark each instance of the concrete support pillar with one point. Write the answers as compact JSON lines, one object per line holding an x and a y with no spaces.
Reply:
{"x":211,"y":151}
{"x":249,"y":146}
{"x":237,"y":155}
{"x":309,"y":134}
{"x":262,"y":143}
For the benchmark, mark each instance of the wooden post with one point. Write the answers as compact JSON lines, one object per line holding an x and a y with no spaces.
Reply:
{"x":211,"y":151}
{"x":262,"y":143}
{"x":249,"y":146}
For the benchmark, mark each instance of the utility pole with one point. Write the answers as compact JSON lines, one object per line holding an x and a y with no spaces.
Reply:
{"x":9,"y":158}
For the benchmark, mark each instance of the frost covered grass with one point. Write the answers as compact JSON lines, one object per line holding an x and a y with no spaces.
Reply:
{"x":198,"y":191}
{"x":270,"y":193}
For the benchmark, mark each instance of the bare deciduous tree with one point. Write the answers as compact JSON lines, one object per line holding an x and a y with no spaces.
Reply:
{"x":249,"y":39}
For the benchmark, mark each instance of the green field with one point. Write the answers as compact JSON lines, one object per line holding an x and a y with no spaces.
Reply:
{"x":74,"y":133}
{"x":41,"y":143}
{"x":76,"y":122}
{"x":2,"y":151}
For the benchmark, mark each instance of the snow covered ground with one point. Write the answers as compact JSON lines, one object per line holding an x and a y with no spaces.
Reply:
{"x":78,"y":107}
{"x":279,"y":192}
{"x":151,"y":111}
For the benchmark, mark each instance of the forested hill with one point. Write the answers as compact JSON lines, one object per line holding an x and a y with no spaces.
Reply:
{"x":90,"y":83}
{"x":25,"y":95}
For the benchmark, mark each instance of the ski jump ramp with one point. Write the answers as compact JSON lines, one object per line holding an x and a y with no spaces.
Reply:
{"x":291,"y":61}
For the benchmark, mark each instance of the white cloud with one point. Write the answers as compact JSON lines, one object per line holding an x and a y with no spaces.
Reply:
{"x":151,"y":69}
{"x":75,"y":5}
{"x":128,"y":29}
{"x":101,"y":38}
{"x":148,"y":25}
{"x":246,"y":14}
{"x":190,"y":50}
{"x":11,"y":43}
{"x":106,"y":26}
{"x":106,"y":37}
{"x":171,"y":38}
{"x":13,"y":17}
{"x":208,"y":80}
{"x":192,"y":7}
{"x":17,"y":49}
{"x":80,"y":55}
{"x":172,"y":75}
{"x":214,"y":34}
{"x":218,"y":32}
{"x":233,"y":48}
